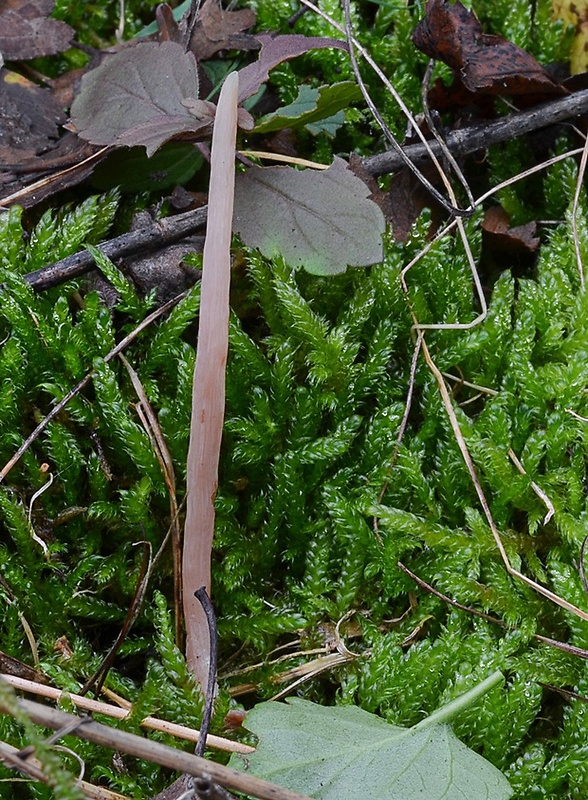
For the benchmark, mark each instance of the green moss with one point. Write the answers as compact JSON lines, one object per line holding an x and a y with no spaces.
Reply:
{"x":317,"y":501}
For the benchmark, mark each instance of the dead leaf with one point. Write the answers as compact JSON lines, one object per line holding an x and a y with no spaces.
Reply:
{"x":501,"y":237}
{"x":217,"y":29}
{"x":26,"y":31}
{"x":319,"y":220}
{"x":143,"y":95}
{"x":484,"y":62}
{"x":12,"y":666}
{"x":575,"y":12}
{"x":29,"y":119}
{"x":275,"y":50}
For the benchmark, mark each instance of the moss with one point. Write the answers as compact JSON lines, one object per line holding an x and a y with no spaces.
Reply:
{"x":316,"y":389}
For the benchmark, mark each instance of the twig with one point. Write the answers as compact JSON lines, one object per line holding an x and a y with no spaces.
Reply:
{"x":116,"y":712}
{"x":161,"y":233}
{"x":208,"y":392}
{"x":575,"y":204}
{"x":202,"y":596}
{"x":466,"y":141}
{"x":85,"y":380}
{"x":151,"y":425}
{"x":535,"y":487}
{"x":33,"y":768}
{"x":95,"y":682}
{"x":81,"y":169}
{"x":403,"y":422}
{"x":461,"y":443}
{"x":157,"y":753}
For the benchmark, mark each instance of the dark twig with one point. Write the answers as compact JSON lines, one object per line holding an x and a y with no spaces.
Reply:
{"x":477,"y":137}
{"x":165,"y":756}
{"x":161,"y":233}
{"x":205,"y":789}
{"x":583,"y":564}
{"x":191,"y":20}
{"x":202,"y":596}
{"x":96,"y":681}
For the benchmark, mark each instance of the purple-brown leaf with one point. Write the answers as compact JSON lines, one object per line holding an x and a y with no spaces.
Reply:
{"x":27,"y":32}
{"x":143,"y":95}
{"x":275,"y":50}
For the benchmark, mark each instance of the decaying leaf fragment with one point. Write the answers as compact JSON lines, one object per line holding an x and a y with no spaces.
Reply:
{"x":322,"y":221}
{"x":218,"y":29}
{"x":501,"y":237}
{"x":484,"y":62}
{"x":26,"y":30}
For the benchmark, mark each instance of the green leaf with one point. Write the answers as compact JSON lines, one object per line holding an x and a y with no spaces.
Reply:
{"x":322,"y":221}
{"x":344,"y":753}
{"x":132,"y":171}
{"x":330,"y":125}
{"x":310,"y":106}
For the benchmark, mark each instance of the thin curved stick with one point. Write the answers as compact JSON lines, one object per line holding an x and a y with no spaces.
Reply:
{"x":560,"y":601}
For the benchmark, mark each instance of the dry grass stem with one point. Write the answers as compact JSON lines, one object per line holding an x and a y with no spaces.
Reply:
{"x":537,"y":489}
{"x":121,"y":712}
{"x":575,"y":206}
{"x":152,"y":428}
{"x":560,"y":601}
{"x":283,"y":159}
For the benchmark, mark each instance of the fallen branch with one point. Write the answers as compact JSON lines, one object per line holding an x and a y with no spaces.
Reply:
{"x":157,"y":753}
{"x":162,"y":233}
{"x":477,"y":137}
{"x":460,"y":143}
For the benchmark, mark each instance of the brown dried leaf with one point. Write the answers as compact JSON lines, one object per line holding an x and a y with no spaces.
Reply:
{"x":27,"y":32}
{"x":485,"y":63}
{"x":217,"y":29}
{"x":501,"y":237}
